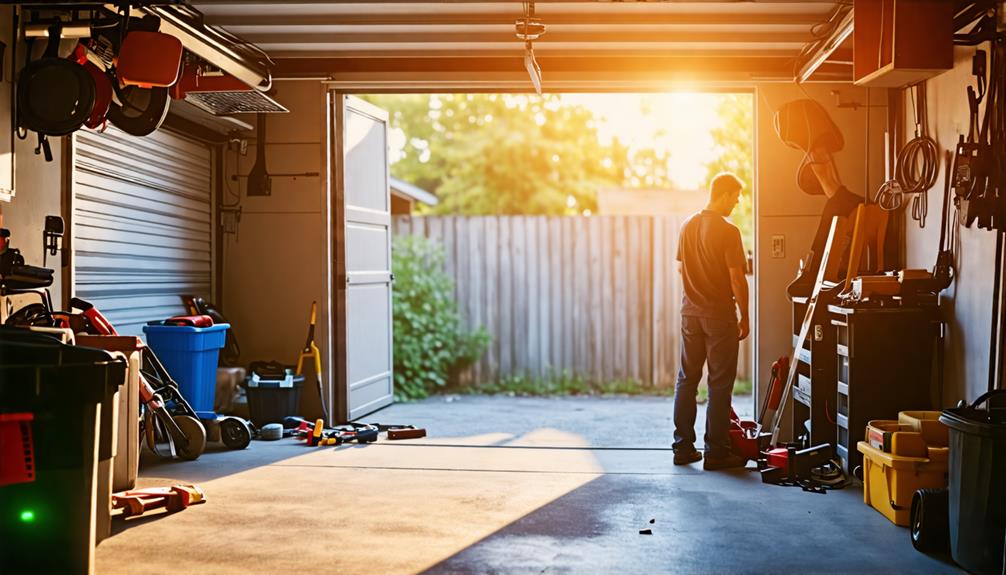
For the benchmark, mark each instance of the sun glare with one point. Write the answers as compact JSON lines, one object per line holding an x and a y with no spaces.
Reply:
{"x":680,"y":123}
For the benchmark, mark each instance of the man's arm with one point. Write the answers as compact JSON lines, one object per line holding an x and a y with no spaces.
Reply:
{"x":739,"y":285}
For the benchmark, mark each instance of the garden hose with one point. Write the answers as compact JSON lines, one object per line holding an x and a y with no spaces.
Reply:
{"x":918,"y":163}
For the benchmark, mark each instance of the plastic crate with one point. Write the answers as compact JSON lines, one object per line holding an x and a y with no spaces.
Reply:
{"x":890,"y":480}
{"x":190,"y":355}
{"x":272,"y":399}
{"x":928,"y":423}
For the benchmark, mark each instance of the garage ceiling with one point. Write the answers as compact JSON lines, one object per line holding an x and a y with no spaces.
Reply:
{"x":471,"y":45}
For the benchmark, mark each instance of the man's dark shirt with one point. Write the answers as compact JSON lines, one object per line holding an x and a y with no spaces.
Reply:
{"x":708,"y":247}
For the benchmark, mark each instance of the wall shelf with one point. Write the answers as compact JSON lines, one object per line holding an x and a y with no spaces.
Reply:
{"x":897,"y":43}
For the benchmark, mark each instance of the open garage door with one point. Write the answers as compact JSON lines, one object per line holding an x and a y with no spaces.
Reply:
{"x":142,"y":224}
{"x":362,"y":259}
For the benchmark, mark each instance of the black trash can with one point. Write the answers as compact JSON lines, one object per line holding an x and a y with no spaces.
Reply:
{"x":273,"y":394}
{"x":48,"y":523}
{"x":977,"y":478}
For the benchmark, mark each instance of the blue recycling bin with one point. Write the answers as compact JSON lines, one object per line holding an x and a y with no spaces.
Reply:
{"x":190,"y":355}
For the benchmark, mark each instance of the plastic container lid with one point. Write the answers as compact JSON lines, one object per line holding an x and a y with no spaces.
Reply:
{"x":149,"y":328}
{"x":971,"y":419}
{"x":290,"y":380}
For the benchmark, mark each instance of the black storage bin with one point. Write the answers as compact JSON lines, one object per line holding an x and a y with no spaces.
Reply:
{"x":49,"y":524}
{"x":977,"y":485}
{"x":273,"y":396}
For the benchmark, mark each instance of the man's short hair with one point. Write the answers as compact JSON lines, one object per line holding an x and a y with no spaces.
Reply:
{"x":724,"y":183}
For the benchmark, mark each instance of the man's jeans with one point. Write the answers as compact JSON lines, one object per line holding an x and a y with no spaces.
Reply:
{"x":714,"y":341}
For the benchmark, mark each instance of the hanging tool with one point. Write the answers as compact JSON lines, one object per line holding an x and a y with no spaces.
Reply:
{"x":310,"y":351}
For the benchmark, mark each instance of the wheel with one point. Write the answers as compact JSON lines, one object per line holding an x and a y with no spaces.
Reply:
{"x":194,"y":433}
{"x":857,"y":472}
{"x":930,"y":523}
{"x":235,"y":432}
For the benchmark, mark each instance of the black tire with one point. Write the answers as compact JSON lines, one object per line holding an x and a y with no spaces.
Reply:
{"x":235,"y":432}
{"x":195,"y":435}
{"x":930,"y":522}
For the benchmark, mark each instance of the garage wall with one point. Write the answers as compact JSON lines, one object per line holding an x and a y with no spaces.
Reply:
{"x":782,"y":209}
{"x":37,"y":184}
{"x":274,"y":267}
{"x":966,"y":304}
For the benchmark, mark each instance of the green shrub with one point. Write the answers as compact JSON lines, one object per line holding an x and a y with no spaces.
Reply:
{"x":429,"y":340}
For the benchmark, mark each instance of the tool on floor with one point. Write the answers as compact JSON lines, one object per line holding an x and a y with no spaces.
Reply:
{"x":310,"y":351}
{"x":175,"y":498}
{"x":317,"y":434}
{"x":813,"y":469}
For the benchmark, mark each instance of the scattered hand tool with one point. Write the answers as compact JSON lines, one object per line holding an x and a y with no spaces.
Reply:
{"x":310,"y":351}
{"x":175,"y":498}
{"x":317,"y":434}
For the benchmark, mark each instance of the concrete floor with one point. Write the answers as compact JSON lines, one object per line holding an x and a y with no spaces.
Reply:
{"x":503,"y":485}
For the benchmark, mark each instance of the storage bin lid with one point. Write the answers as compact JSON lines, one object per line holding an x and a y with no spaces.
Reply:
{"x":178,"y":329}
{"x":290,"y":380}
{"x":976,"y":420}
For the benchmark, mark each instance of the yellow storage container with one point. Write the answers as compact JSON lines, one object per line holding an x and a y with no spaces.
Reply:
{"x":889,"y":480}
{"x":928,"y":424}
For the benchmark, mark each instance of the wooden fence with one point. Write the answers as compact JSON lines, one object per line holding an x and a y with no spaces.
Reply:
{"x":595,"y":296}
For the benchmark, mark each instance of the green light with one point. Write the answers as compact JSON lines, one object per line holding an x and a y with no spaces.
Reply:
{"x":27,"y":516}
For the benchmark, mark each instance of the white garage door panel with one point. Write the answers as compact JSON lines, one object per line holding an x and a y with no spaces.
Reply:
{"x":161,"y":158}
{"x":141,"y":224}
{"x":366,"y":157}
{"x":114,"y":215}
{"x":367,"y":319}
{"x":366,"y":248}
{"x":371,"y":396}
{"x":363,"y":284}
{"x":100,"y":191}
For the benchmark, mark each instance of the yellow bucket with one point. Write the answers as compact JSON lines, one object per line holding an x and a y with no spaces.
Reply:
{"x":889,"y":480}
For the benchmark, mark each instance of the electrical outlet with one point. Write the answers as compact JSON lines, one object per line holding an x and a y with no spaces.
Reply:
{"x":779,"y":246}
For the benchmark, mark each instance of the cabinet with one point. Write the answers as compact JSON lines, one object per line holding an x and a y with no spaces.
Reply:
{"x":814,"y":388}
{"x":901,"y":42}
{"x":885,"y":363}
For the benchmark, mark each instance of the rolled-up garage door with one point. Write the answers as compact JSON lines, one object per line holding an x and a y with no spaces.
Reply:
{"x":141,"y":223}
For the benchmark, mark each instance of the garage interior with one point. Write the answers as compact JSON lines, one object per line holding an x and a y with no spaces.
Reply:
{"x":525,"y":488}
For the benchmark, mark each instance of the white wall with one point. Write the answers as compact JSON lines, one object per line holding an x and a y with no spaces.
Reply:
{"x":274,"y":268}
{"x":781,"y":208}
{"x":967,"y":303}
{"x":37,"y":183}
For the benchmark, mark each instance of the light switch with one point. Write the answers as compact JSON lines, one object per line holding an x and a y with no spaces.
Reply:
{"x":779,"y":246}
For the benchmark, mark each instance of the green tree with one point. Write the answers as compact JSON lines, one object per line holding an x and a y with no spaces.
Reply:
{"x":502,"y":153}
{"x":734,"y":139}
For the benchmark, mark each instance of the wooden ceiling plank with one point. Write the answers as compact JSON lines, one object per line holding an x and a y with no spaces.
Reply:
{"x":725,"y":38}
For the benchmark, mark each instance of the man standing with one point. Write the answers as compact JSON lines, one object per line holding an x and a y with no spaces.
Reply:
{"x":713,"y":269}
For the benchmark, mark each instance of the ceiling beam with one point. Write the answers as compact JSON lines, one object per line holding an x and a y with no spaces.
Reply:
{"x":590,"y":38}
{"x":298,"y":67}
{"x":508,"y":18}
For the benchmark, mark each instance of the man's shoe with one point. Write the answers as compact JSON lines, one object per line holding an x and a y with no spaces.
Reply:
{"x":686,"y":457}
{"x":729,"y":461}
